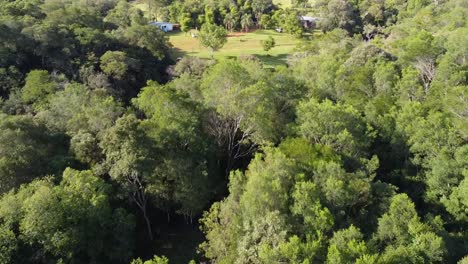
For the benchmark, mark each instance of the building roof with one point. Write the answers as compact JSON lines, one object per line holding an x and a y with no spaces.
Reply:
{"x":308,"y":18}
{"x":157,"y":23}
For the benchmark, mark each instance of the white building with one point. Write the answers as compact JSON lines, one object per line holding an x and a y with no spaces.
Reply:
{"x":164,"y":26}
{"x":308,"y":21}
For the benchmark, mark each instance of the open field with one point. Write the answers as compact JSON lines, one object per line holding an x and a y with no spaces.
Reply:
{"x":283,"y":3}
{"x":239,"y":44}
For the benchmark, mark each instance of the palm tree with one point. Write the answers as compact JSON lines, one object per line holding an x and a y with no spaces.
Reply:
{"x":246,"y":22}
{"x":229,"y":22}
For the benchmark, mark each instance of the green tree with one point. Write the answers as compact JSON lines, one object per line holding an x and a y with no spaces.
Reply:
{"x":185,"y":23}
{"x":147,"y":38}
{"x":270,"y":179}
{"x":339,"y":14}
{"x":194,"y":67}
{"x":246,"y":22}
{"x":307,"y":205}
{"x":343,"y":192}
{"x":262,"y":239}
{"x":117,"y":64}
{"x":321,"y":69}
{"x":463,"y":260}
{"x":154,"y":260}
{"x":229,"y":22}
{"x":38,"y":88}
{"x":260,"y":7}
{"x":69,"y":221}
{"x":394,"y":226}
{"x":128,"y":157}
{"x":222,"y":223}
{"x":119,"y":15}
{"x":181,"y":181}
{"x":455,"y":102}
{"x":374,"y":12}
{"x":212,"y":37}
{"x":22,"y":8}
{"x":77,"y":108}
{"x":300,"y":3}
{"x":27,"y":150}
{"x":9,"y":78}
{"x":232,"y":226}
{"x":266,"y":21}
{"x":338,"y":126}
{"x":8,"y":245}
{"x":268,"y":43}
{"x":457,"y":202}
{"x":346,"y":246}
{"x":406,"y":237}
{"x":291,"y":24}
{"x":245,"y":113}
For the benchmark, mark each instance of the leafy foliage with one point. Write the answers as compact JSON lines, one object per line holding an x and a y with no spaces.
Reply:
{"x":353,"y":152}
{"x":70,"y":221}
{"x":212,"y":37}
{"x":268,"y":44}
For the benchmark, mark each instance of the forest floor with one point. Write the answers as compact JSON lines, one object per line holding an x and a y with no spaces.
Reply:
{"x":239,"y":44}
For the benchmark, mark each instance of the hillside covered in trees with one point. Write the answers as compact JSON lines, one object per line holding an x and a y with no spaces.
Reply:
{"x":113,"y":150}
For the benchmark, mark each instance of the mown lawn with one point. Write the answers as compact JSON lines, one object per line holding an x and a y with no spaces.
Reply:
{"x":283,"y":3}
{"x":239,"y":44}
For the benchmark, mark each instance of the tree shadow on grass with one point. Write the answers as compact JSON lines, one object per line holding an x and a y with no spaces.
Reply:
{"x":269,"y":61}
{"x":177,"y":53}
{"x":273,"y":60}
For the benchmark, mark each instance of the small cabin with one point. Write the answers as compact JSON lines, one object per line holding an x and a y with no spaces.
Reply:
{"x":164,"y":26}
{"x":308,"y":21}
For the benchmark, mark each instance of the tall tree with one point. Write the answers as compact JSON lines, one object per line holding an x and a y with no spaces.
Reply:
{"x":406,"y":237}
{"x":338,"y":126}
{"x":339,"y":14}
{"x":27,"y":150}
{"x":38,"y":88}
{"x":72,"y":221}
{"x":212,"y":37}
{"x":244,"y":109}
{"x":246,"y":22}
{"x":129,"y":159}
{"x":229,"y":22}
{"x":182,"y":181}
{"x":347,"y":246}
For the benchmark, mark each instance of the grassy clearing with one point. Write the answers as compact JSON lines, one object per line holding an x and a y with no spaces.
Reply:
{"x":239,"y":44}
{"x":283,"y":3}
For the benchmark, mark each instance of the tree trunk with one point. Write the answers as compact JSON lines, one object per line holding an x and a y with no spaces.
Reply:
{"x":148,"y":225}
{"x":229,"y":136}
{"x":229,"y":164}
{"x":140,"y":200}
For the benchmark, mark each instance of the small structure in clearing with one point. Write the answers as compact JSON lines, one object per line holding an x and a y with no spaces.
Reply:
{"x":164,"y":26}
{"x":308,"y":21}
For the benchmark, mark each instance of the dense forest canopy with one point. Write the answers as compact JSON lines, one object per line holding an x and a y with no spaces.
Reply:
{"x":115,"y":150}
